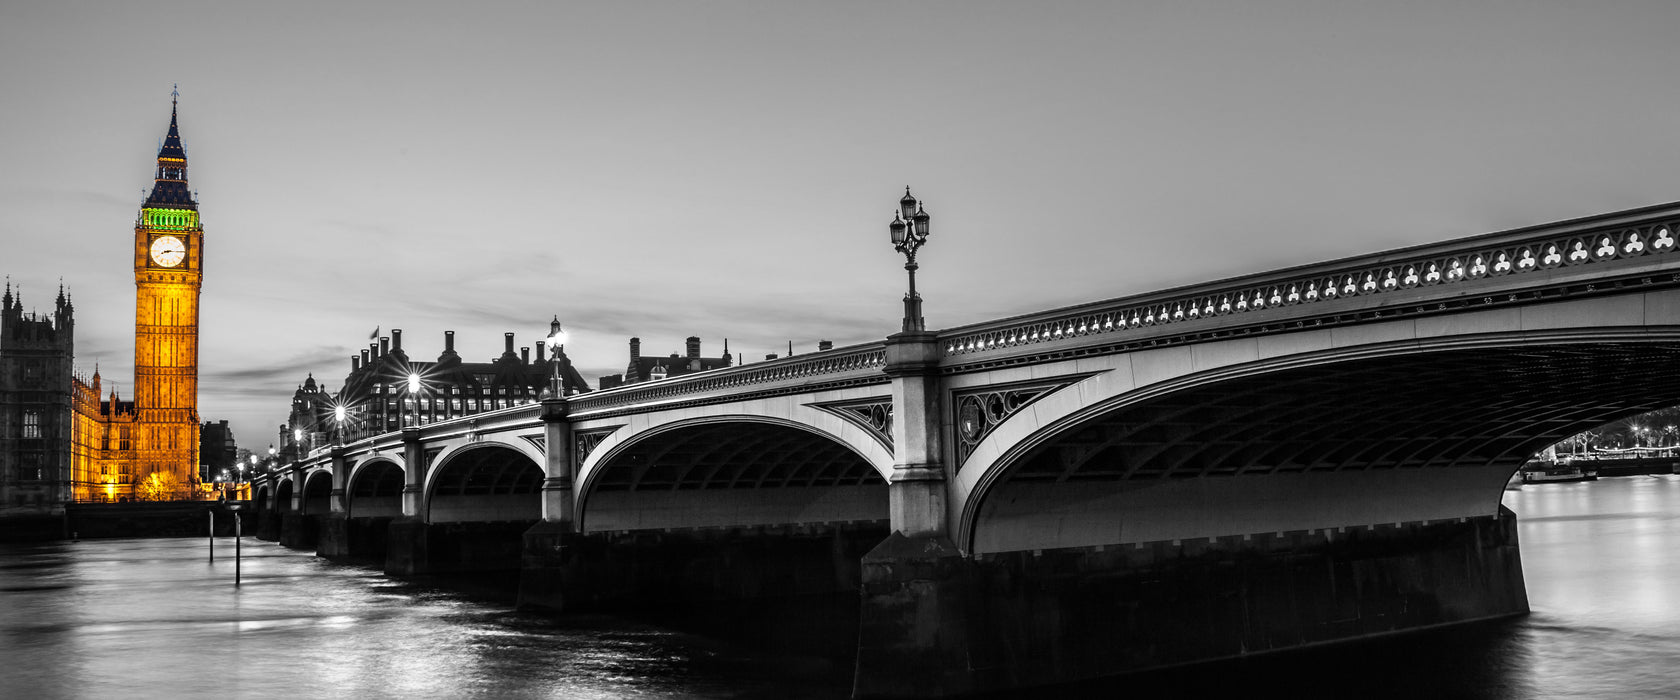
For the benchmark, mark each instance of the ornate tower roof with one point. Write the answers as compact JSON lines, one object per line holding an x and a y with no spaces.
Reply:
{"x":170,"y":191}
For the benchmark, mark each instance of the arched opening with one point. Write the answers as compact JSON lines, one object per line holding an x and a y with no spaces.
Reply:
{"x":261,"y":504}
{"x":1355,"y":442}
{"x":372,"y":499}
{"x":375,"y":491}
{"x":283,"y":498}
{"x":317,"y":494}
{"x":479,"y":504}
{"x":751,"y":527}
{"x":732,"y":474}
{"x":1288,"y":503}
{"x":486,"y":484}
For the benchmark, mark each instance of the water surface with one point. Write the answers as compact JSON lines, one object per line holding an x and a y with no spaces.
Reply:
{"x":153,"y":618}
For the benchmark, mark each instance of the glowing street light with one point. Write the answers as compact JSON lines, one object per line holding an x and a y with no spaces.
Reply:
{"x":414,"y":396}
{"x":909,"y":229}
{"x":339,"y":414}
{"x":557,"y":348}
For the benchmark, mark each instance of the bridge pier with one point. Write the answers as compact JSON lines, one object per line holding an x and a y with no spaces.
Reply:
{"x":413,"y":546}
{"x":655,"y":569}
{"x":268,"y":527}
{"x":353,"y":539}
{"x":299,"y":530}
{"x":935,"y":623}
{"x":333,"y":539}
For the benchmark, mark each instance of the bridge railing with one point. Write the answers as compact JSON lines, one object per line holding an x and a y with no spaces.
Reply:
{"x":1607,"y":238}
{"x":856,"y":358}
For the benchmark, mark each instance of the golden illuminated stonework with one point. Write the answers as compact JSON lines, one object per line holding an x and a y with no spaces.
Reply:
{"x":147,"y":448}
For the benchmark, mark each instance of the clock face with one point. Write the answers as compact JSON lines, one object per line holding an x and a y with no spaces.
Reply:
{"x":168,"y":251}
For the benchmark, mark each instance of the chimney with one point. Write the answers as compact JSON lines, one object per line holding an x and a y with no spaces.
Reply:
{"x":635,"y":350}
{"x":540,"y":358}
{"x":396,"y":340}
{"x":384,"y":347}
{"x":449,"y":341}
{"x":825,"y":345}
{"x":507,"y":343}
{"x":355,"y":363}
{"x":693,"y":347}
{"x":525,"y":356}
{"x":366,"y":356}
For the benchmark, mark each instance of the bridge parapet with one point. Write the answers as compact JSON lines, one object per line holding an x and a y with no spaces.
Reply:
{"x":1600,"y":241}
{"x":859,"y":362}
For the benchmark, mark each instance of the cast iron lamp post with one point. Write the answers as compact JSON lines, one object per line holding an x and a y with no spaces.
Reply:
{"x":414,"y":396}
{"x":557,"y":348}
{"x":909,"y":230}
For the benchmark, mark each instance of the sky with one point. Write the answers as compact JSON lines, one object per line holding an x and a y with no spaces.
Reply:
{"x":728,"y":169}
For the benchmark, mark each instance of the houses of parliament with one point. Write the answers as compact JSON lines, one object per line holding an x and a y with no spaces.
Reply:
{"x":66,"y":437}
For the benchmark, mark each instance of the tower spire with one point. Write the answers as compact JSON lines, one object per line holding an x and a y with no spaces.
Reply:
{"x":170,"y":190}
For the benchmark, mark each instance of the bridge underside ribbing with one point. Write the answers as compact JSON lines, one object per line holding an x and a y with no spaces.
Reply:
{"x":483,"y":485}
{"x":1324,"y":445}
{"x":732,"y":474}
{"x":1245,"y":510}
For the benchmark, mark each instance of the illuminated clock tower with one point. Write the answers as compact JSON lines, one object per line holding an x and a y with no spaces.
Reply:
{"x":168,"y":271}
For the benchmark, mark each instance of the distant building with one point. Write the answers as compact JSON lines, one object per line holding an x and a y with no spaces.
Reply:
{"x":217,"y":450}
{"x":36,"y":356}
{"x":376,"y":399}
{"x":653,"y":368}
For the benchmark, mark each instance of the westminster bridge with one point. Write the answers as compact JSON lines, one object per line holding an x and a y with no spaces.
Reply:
{"x":1288,"y":458}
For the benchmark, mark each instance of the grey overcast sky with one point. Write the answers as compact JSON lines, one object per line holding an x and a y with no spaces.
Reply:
{"x":728,"y":169}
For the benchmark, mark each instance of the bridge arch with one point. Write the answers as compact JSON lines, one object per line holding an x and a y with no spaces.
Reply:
{"x":730,"y":470}
{"x":484,"y":482}
{"x":1137,"y":454}
{"x":374,"y":489}
{"x":317,"y":493}
{"x":283,"y":496}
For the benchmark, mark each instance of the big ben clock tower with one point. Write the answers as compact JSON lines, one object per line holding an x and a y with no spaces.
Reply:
{"x":168,"y":271}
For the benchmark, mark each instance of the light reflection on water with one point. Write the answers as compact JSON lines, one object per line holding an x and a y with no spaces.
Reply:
{"x":152,"y":618}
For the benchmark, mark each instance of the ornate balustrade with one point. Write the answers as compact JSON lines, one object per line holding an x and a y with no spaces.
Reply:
{"x":1597,"y":240}
{"x":844,"y":360}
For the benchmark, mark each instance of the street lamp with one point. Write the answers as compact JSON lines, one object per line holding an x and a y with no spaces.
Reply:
{"x":909,"y":230}
{"x":339,"y":413}
{"x":557,"y":348}
{"x":414,"y":396}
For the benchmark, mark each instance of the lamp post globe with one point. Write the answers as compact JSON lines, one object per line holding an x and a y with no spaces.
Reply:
{"x":556,"y":342}
{"x":909,"y":232}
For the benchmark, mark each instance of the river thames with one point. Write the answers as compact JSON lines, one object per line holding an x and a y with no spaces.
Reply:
{"x":153,"y":618}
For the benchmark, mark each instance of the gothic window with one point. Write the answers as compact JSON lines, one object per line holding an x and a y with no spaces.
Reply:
{"x":32,"y":424}
{"x":123,"y":439}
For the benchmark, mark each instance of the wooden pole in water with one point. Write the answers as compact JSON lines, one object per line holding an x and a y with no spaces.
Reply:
{"x":212,"y":534}
{"x":236,"y":549}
